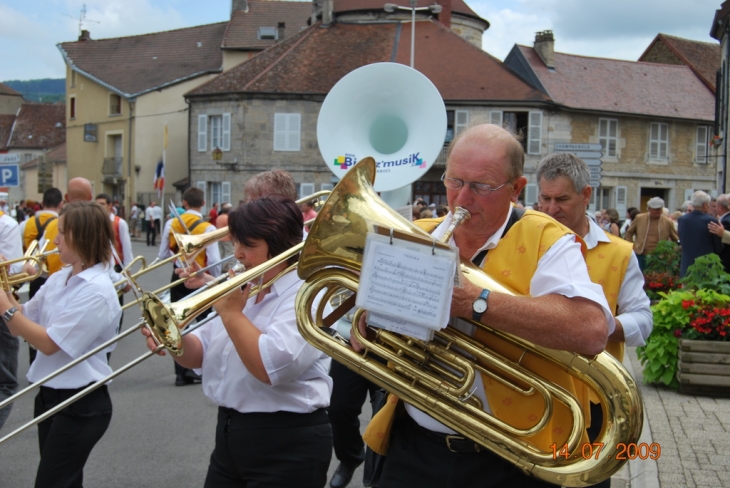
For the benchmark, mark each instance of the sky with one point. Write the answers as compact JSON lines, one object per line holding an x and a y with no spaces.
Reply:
{"x":621,"y":29}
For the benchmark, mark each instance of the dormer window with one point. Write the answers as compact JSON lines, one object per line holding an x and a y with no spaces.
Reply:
{"x":267,"y":33}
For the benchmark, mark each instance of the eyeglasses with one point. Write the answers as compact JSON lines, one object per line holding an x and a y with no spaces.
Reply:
{"x":481,"y":189}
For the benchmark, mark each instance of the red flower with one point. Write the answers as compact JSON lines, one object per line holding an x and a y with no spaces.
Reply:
{"x":678,"y":333}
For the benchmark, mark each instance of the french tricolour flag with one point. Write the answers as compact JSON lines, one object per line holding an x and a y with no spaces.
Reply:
{"x":159,"y":180}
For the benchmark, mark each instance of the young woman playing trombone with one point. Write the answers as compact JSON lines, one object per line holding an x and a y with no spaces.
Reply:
{"x":74,"y":311}
{"x":271,"y":386}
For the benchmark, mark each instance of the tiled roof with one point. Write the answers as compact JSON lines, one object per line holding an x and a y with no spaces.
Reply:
{"x":457,"y":6}
{"x":313,"y":61}
{"x":6,"y":90}
{"x":57,"y":155}
{"x":39,"y":126}
{"x":611,"y":85}
{"x":6,"y":127}
{"x":702,"y":57}
{"x":242,"y":29}
{"x":138,"y":64}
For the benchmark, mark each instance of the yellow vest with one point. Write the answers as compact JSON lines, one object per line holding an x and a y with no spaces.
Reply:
{"x":31,"y":231}
{"x":607,"y":265}
{"x":53,"y":262}
{"x":189,"y":220}
{"x":513,"y":263}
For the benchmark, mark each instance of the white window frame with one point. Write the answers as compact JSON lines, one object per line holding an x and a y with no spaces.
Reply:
{"x":287,"y":132}
{"x":461,"y":121}
{"x":702,"y":144}
{"x":226,"y":133}
{"x":326,"y":187}
{"x":534,"y":132}
{"x":531,"y":194}
{"x":202,"y":132}
{"x":226,"y":192}
{"x":606,"y":136}
{"x":216,"y":193}
{"x":657,"y":143}
{"x":621,"y":197}
{"x":216,"y":131}
{"x":495,"y":117}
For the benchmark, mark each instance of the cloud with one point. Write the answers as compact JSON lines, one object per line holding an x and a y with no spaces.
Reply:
{"x":620,"y":29}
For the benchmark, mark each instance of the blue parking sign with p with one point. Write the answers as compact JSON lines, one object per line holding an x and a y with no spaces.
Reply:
{"x":9,"y":175}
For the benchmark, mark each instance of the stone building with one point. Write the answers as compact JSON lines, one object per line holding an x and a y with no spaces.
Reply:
{"x":720,"y":30}
{"x":653,"y":123}
{"x":271,"y":103}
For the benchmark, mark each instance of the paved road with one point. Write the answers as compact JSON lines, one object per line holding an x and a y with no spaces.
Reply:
{"x":160,"y":435}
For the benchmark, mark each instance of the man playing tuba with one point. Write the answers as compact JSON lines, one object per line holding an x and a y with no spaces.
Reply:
{"x":558,"y":308}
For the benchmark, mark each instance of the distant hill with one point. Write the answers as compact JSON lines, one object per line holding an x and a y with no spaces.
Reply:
{"x":46,"y":90}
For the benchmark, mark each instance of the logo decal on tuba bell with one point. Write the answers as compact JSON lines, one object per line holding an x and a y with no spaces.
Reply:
{"x":344,"y":162}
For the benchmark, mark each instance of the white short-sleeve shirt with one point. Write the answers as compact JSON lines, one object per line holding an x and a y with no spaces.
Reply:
{"x":298,"y":372}
{"x":79,"y":313}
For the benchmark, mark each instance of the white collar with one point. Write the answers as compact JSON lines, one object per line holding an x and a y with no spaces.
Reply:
{"x":595,"y":235}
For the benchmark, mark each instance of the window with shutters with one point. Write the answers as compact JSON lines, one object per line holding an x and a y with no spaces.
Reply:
{"x":214,"y":131}
{"x":702,"y":144}
{"x":456,"y":121}
{"x":530,"y":194}
{"x":287,"y":132}
{"x":115,"y":104}
{"x":204,"y":187}
{"x":526,"y":124}
{"x":326,"y":187}
{"x":608,"y":136}
{"x":659,"y":141}
{"x":72,"y":107}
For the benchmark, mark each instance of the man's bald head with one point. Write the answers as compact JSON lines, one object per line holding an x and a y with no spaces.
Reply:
{"x":79,"y":190}
{"x":494,"y":135}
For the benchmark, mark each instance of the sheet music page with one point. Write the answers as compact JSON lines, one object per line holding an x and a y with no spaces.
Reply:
{"x":400,"y":326}
{"x":406,"y":280}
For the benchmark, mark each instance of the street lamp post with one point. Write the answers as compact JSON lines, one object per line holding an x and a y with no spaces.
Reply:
{"x":392,"y":7}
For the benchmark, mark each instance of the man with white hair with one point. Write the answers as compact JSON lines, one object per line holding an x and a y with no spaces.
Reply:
{"x":693,"y":235}
{"x":722,"y":229}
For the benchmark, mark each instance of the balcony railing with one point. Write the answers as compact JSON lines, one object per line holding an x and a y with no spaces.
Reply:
{"x":441,"y":158}
{"x":112,"y":167}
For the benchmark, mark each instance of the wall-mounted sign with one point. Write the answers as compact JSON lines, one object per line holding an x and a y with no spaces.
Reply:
{"x":90,"y":133}
{"x":9,"y":175}
{"x":9,"y":158}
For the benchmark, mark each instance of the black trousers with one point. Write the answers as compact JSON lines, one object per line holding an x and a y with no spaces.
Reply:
{"x":177,"y":293}
{"x":420,"y":457}
{"x":67,"y":438}
{"x":279,"y":449}
{"x":153,"y":232}
{"x":9,"y":346}
{"x":349,"y":391}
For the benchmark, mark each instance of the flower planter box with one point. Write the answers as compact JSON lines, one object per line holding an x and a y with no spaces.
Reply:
{"x":704,"y":367}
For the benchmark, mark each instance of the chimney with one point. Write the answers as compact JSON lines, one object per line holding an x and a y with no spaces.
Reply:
{"x":327,"y":14}
{"x":545,"y":47}
{"x":239,"y":5}
{"x":280,"y":30}
{"x":445,"y":14}
{"x":85,"y":36}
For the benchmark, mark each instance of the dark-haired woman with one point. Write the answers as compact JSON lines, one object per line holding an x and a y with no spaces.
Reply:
{"x":271,"y":386}
{"x":73,"y":312}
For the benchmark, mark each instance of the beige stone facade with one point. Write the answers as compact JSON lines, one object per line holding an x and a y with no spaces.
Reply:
{"x":252,"y":147}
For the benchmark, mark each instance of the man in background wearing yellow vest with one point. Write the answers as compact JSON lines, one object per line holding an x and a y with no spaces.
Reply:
{"x":557,"y":306}
{"x":193,"y":202}
{"x":34,"y":228}
{"x":565,"y":192}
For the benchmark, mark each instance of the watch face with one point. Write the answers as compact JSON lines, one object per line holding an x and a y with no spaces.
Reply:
{"x":480,"y":305}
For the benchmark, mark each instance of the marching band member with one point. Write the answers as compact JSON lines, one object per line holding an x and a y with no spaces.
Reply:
{"x":271,"y":386}
{"x":73,"y":312}
{"x":194,"y":223}
{"x":559,"y":308}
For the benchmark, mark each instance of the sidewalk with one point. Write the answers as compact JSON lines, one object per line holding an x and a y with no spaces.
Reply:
{"x":694,"y":435}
